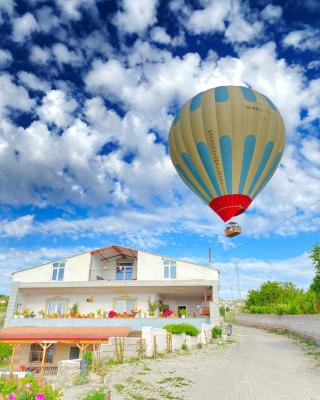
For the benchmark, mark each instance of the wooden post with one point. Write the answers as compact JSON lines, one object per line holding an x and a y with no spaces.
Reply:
{"x":45,"y":347}
{"x":82,"y":347}
{"x":154,"y":346}
{"x":93,"y":356}
{"x":14,"y":348}
{"x":108,"y":395}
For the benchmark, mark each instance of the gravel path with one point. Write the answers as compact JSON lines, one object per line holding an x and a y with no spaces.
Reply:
{"x":256,"y":366}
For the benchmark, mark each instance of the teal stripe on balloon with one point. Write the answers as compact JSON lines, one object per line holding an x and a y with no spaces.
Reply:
{"x":271,"y":171}
{"x":248,"y":94}
{"x":221,"y":94}
{"x":265,"y":158}
{"x":195,"y":173}
{"x":195,"y":102}
{"x":226,"y":154}
{"x":206,"y":160}
{"x":190,"y":183}
{"x":248,"y":149}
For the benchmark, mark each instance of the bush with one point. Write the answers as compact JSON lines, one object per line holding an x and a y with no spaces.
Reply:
{"x":99,"y":394}
{"x":5,"y":351}
{"x":177,"y":329}
{"x":27,"y":388}
{"x":216,"y":332}
{"x":222,"y":311}
{"x":87,"y":356}
{"x":81,"y":379}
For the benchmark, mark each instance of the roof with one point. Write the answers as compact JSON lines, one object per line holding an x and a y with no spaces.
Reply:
{"x":36,"y":334}
{"x":116,"y":251}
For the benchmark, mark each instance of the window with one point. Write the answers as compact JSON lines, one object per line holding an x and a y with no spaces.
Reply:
{"x":58,"y":271}
{"x":124,"y":271}
{"x":57,"y":306}
{"x":74,"y":353}
{"x":36,"y":353}
{"x":124,"y":305}
{"x":170,"y":269}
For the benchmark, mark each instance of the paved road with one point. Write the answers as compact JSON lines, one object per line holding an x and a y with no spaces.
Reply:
{"x":257,"y":366}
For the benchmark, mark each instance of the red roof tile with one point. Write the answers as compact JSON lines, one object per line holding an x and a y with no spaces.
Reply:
{"x":64,"y":334}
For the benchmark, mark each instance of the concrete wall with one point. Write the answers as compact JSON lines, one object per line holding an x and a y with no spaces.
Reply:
{"x":304,"y":325}
{"x":150,"y":267}
{"x":76,"y":269}
{"x":135,"y":324}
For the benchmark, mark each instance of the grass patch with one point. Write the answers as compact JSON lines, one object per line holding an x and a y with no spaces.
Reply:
{"x":176,"y":381}
{"x":119,"y":387}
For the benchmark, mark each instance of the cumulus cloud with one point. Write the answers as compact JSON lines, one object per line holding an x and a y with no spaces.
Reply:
{"x":271,"y":13}
{"x":32,"y":81}
{"x":13,"y":95}
{"x":39,"y":55}
{"x":65,"y":56}
{"x":304,"y":39}
{"x":5,"y":57}
{"x":72,"y":8}
{"x":23,"y":27}
{"x":56,"y":108}
{"x":136,"y":16}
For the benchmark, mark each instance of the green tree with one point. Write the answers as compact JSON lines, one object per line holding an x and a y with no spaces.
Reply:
{"x":315,"y":257}
{"x":5,"y":351}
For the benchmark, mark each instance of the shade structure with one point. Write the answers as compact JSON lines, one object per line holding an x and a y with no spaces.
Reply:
{"x":59,"y":334}
{"x":226,"y":143}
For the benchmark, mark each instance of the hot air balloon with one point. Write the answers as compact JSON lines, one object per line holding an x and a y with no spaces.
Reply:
{"x":226,"y":143}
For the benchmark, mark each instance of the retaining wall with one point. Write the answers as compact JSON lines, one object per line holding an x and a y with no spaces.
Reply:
{"x":304,"y":325}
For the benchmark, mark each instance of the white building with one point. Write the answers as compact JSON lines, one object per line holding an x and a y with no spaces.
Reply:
{"x":125,"y":281}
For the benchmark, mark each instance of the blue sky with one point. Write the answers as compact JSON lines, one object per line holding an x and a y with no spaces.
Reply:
{"x":88,"y":90}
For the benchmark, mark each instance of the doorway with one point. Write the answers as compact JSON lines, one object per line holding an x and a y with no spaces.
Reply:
{"x":74,"y":353}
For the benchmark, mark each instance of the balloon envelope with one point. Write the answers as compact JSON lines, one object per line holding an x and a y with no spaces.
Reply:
{"x":226,"y":143}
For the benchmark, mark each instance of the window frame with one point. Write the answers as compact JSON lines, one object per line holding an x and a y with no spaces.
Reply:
{"x":36,"y":349}
{"x":124,"y":299}
{"x":58,"y":269}
{"x":169,"y":268}
{"x":57,"y":299}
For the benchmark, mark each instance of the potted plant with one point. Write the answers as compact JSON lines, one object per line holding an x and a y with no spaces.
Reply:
{"x":99,"y":313}
{"x":152,"y":307}
{"x":16,"y":315}
{"x":105,"y":314}
{"x":112,"y":314}
{"x":183,"y":312}
{"x":41,"y":314}
{"x":74,"y":310}
{"x":167,"y":313}
{"x":26,"y":313}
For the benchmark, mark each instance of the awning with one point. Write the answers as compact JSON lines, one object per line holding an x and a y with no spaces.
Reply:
{"x":61,"y":334}
{"x":116,"y":251}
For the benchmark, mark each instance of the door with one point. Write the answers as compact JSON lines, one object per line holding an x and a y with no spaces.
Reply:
{"x":74,"y":353}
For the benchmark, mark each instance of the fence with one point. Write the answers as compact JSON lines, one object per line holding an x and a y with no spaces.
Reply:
{"x":151,"y":342}
{"x":304,"y":325}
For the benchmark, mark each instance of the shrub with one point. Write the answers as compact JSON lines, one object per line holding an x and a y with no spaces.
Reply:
{"x":112,"y":314}
{"x":99,"y":394}
{"x":87,"y":356}
{"x":184,"y":346}
{"x":81,"y":379}
{"x":5,"y":351}
{"x":177,"y":329}
{"x":222,"y":311}
{"x":167,"y":313}
{"x":216,"y":332}
{"x":28,"y":388}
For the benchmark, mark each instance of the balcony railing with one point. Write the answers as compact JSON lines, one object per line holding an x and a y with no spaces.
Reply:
{"x":34,"y":368}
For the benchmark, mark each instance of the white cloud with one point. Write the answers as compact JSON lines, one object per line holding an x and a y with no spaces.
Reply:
{"x":7,"y":6}
{"x":23,"y":27}
{"x":32,"y":81}
{"x":17,"y":228}
{"x":136,"y":16}
{"x":304,"y":39}
{"x":5,"y":58}
{"x":65,"y":56}
{"x":271,"y":13}
{"x":71,"y":8}
{"x":159,"y":35}
{"x":13,"y":95}
{"x":57,"y":108}
{"x":39,"y":55}
{"x":211,"y":18}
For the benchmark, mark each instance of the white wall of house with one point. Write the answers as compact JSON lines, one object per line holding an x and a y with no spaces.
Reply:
{"x":105,"y":301}
{"x":150,"y":267}
{"x":76,"y":269}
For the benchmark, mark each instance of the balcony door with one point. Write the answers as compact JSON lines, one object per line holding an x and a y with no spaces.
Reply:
{"x":124,"y":271}
{"x":124,"y":305}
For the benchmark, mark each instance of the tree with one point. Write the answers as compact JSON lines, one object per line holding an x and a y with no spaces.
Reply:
{"x":315,"y":257}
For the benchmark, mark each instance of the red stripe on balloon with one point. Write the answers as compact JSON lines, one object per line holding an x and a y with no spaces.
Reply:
{"x":230,"y":205}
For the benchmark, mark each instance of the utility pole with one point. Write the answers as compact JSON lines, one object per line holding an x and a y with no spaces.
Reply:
{"x":231,"y":288}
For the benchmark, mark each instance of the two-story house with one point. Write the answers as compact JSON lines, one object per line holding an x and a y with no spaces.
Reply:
{"x":106,"y":292}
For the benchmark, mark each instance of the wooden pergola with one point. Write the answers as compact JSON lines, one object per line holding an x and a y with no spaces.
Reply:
{"x":82,"y":337}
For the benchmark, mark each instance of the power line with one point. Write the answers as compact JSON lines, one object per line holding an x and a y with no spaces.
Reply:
{"x":273,"y":229}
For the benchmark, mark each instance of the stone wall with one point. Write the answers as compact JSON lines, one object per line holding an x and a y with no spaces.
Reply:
{"x":304,"y":325}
